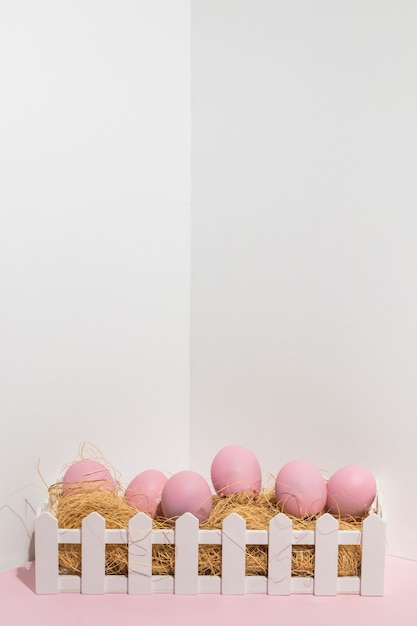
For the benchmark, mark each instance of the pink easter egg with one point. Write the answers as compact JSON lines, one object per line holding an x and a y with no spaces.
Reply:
{"x":144,"y":491}
{"x":235,"y":469}
{"x":300,"y":489}
{"x":351,"y":491}
{"x":90,"y":473}
{"x":185,"y":492}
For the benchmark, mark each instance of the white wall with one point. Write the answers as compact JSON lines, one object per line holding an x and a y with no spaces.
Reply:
{"x":304,"y":301}
{"x":94,"y":243}
{"x":304,"y":259}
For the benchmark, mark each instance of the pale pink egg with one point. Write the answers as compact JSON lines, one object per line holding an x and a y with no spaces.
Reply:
{"x":90,"y":473}
{"x":351,"y":491}
{"x":300,"y":489}
{"x":187,"y":492}
{"x":235,"y":469}
{"x":144,"y":491}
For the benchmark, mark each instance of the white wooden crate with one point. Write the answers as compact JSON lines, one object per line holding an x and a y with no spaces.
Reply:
{"x":187,"y":536}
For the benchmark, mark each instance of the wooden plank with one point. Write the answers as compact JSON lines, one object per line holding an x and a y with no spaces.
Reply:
{"x":162,"y":584}
{"x":140,"y":554}
{"x":209,"y":584}
{"x":210,"y":537}
{"x":165,"y":537}
{"x":350,"y":537}
{"x":69,"y":583}
{"x":115,"y":584}
{"x":256,"y":537}
{"x":46,"y":552}
{"x":373,"y":556}
{"x":233,"y":555}
{"x":303,"y":537}
{"x":93,"y":554}
{"x":186,"y":555}
{"x":348,"y":584}
{"x":72,"y":535}
{"x":302,"y":584}
{"x":279,"y":555}
{"x":116,"y":536}
{"x":256,"y":584}
{"x":326,"y":553}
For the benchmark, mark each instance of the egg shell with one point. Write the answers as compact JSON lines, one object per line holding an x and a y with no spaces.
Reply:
{"x":300,"y":489}
{"x":351,"y":491}
{"x":187,"y":492}
{"x":89,"y":472}
{"x":235,"y":469}
{"x":144,"y":491}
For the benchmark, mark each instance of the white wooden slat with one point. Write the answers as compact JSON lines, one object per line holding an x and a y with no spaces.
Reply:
{"x":256,"y":537}
{"x":72,"y":535}
{"x":279,"y":555}
{"x":350,"y":537}
{"x":93,"y":554}
{"x":162,"y":584}
{"x":373,"y":556}
{"x":186,"y":555}
{"x":209,"y":584}
{"x":326,"y":553}
{"x":348,"y":584}
{"x":303,"y":537}
{"x":69,"y":583}
{"x":46,"y":552}
{"x":165,"y":537}
{"x":140,"y":554}
{"x":233,"y":555}
{"x":115,"y":584}
{"x":256,"y":584}
{"x":116,"y":536}
{"x":302,"y":584}
{"x":210,"y":537}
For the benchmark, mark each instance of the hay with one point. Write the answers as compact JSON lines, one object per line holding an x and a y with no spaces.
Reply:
{"x":71,"y":508}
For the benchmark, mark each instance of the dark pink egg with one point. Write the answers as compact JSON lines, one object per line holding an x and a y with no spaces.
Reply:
{"x":187,"y":492}
{"x":236,"y":469}
{"x":145,"y":490}
{"x":351,"y":491}
{"x":300,"y":489}
{"x":90,"y":473}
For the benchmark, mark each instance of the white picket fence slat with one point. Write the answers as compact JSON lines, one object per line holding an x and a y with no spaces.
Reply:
{"x":279,"y":555}
{"x":140,"y":554}
{"x":373,"y":556}
{"x":139,"y":538}
{"x":186,"y":555}
{"x":46,"y":546}
{"x":325,"y":558}
{"x":93,"y":554}
{"x":233,"y":555}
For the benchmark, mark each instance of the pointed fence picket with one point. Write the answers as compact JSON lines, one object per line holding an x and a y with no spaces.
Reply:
{"x":279,"y":555}
{"x":186,"y":555}
{"x":139,"y":538}
{"x":326,"y":553}
{"x":140,"y":554}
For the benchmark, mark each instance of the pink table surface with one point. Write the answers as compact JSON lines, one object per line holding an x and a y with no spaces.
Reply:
{"x":398,"y":607}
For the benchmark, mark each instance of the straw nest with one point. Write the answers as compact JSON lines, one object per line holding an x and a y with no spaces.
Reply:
{"x":70,"y":509}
